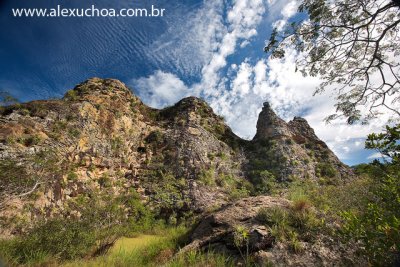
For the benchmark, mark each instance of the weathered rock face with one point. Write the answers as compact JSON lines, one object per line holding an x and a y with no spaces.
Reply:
{"x":270,"y":126}
{"x":101,"y":139}
{"x":292,"y":150}
{"x":241,"y":228}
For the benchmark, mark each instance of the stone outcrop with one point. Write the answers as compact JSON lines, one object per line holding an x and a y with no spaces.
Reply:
{"x":270,"y":126}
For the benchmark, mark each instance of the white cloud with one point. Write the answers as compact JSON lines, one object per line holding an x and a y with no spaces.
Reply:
{"x":377,"y":155}
{"x":241,"y":84}
{"x":290,"y":9}
{"x":242,"y":20}
{"x":161,"y":89}
{"x":279,"y":24}
{"x":290,"y":94}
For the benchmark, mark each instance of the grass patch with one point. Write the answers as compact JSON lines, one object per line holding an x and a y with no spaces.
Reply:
{"x":153,"y":249}
{"x":199,"y":259}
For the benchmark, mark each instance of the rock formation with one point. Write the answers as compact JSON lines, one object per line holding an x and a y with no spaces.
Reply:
{"x":293,"y":150}
{"x":101,"y":139}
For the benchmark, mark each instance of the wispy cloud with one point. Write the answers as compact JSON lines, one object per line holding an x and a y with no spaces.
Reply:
{"x":191,"y":40}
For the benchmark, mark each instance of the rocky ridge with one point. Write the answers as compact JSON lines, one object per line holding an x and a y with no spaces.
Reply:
{"x":101,"y":139}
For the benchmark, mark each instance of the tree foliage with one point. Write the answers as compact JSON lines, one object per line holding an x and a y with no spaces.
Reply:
{"x":353,"y":45}
{"x":22,"y":178}
{"x":387,"y":143}
{"x":378,"y":227}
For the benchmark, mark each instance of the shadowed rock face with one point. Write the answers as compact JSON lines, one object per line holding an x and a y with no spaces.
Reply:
{"x":102,"y":138}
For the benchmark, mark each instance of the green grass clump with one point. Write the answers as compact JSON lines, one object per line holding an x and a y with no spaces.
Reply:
{"x":207,"y":177}
{"x":292,"y":224}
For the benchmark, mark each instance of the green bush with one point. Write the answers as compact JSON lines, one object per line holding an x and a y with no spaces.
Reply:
{"x":74,"y":132}
{"x":238,"y":193}
{"x":155,"y":137}
{"x":63,"y":239}
{"x":105,"y":181}
{"x":168,"y":194}
{"x":326,"y":170}
{"x":377,"y":227}
{"x":72,"y":176}
{"x":222,"y":155}
{"x":71,"y":95}
{"x":273,"y":216}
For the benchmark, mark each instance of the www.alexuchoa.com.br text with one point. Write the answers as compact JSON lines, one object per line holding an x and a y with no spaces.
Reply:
{"x":92,"y":11}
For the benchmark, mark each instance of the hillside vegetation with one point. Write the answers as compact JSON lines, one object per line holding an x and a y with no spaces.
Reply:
{"x":99,"y":178}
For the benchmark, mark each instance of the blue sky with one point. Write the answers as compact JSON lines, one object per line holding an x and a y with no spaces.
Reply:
{"x":211,"y":48}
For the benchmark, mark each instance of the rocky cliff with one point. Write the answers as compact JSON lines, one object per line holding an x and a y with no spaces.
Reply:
{"x":292,"y":150}
{"x":100,"y":139}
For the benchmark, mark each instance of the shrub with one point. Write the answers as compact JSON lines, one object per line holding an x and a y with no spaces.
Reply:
{"x":105,"y":181}
{"x":211,"y":156}
{"x":72,"y":176}
{"x":294,"y":242}
{"x":219,"y":129}
{"x":32,"y":140}
{"x":24,"y":112}
{"x":302,"y":217}
{"x":73,"y":132}
{"x":155,"y":137}
{"x":264,"y":182}
{"x":326,"y":170}
{"x":378,"y":227}
{"x":168,"y":194}
{"x":222,"y":155}
{"x":273,"y":216}
{"x":238,"y":193}
{"x":71,"y":95}
{"x":64,"y":239}
{"x":241,"y":240}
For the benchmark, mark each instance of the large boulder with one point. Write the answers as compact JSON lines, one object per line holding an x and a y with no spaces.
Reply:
{"x":250,"y":226}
